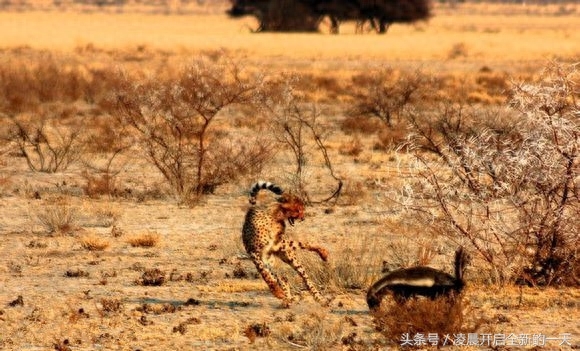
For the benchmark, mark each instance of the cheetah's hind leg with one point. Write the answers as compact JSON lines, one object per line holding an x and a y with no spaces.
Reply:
{"x":277,"y":286}
{"x":289,"y":257}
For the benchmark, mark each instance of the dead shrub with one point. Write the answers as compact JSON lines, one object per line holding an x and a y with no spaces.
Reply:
{"x":177,"y":118}
{"x":146,"y":240}
{"x":109,"y":142}
{"x":107,"y":135}
{"x":46,"y":141}
{"x":109,"y":306}
{"x":505,"y":182}
{"x":437,"y":320}
{"x":257,"y":330}
{"x":300,"y":130}
{"x":386,"y":94}
{"x":152,"y":277}
{"x":24,"y":84}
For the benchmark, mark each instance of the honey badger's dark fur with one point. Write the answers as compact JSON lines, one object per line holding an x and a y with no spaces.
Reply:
{"x":423,"y":281}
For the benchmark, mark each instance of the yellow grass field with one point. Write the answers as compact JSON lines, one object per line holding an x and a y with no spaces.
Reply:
{"x":487,"y":38}
{"x":83,"y":289}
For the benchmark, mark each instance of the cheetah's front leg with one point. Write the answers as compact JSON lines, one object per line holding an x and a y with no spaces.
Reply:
{"x":322,"y":252}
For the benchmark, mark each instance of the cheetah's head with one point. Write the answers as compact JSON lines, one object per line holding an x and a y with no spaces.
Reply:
{"x":292,"y":207}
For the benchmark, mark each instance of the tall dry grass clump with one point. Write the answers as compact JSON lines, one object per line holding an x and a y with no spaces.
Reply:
{"x":316,"y":331}
{"x":93,"y":242}
{"x":58,"y":218}
{"x":353,"y":266}
{"x":146,"y":240}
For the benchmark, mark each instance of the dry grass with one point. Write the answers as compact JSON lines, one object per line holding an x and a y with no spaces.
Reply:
{"x":433,"y":40}
{"x":99,"y":184}
{"x":93,"y":242}
{"x":317,"y":332}
{"x":435,"y":319}
{"x":59,"y":218}
{"x":144,"y":240}
{"x":110,"y":306}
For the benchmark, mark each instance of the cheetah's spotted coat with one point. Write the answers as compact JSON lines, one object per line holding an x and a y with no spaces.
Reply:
{"x":264,"y":236}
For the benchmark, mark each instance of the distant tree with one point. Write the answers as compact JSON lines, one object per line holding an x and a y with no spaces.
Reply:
{"x":381,"y":13}
{"x":306,"y":15}
{"x":278,"y":15}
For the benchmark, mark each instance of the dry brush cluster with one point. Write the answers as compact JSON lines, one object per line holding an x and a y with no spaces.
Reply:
{"x":505,"y":181}
{"x":200,"y":127}
{"x":495,"y":172}
{"x":500,"y":174}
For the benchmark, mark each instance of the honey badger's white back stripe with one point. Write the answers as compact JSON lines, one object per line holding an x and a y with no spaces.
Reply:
{"x":259,"y":185}
{"x":425,"y":282}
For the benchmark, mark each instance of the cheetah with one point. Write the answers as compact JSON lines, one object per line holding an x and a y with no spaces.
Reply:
{"x":264,"y":236}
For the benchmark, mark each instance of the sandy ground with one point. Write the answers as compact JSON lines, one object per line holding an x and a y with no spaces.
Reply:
{"x":67,"y":290}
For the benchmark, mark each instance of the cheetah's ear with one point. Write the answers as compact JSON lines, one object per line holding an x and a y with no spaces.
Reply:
{"x":283,"y":198}
{"x":289,"y":198}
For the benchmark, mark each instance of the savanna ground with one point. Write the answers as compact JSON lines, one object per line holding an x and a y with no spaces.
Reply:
{"x":124,"y":265}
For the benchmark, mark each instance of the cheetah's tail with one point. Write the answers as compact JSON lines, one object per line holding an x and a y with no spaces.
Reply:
{"x":259,"y":185}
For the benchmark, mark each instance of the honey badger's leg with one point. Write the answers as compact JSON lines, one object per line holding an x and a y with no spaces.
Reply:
{"x":277,"y":286}
{"x":288,"y":255}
